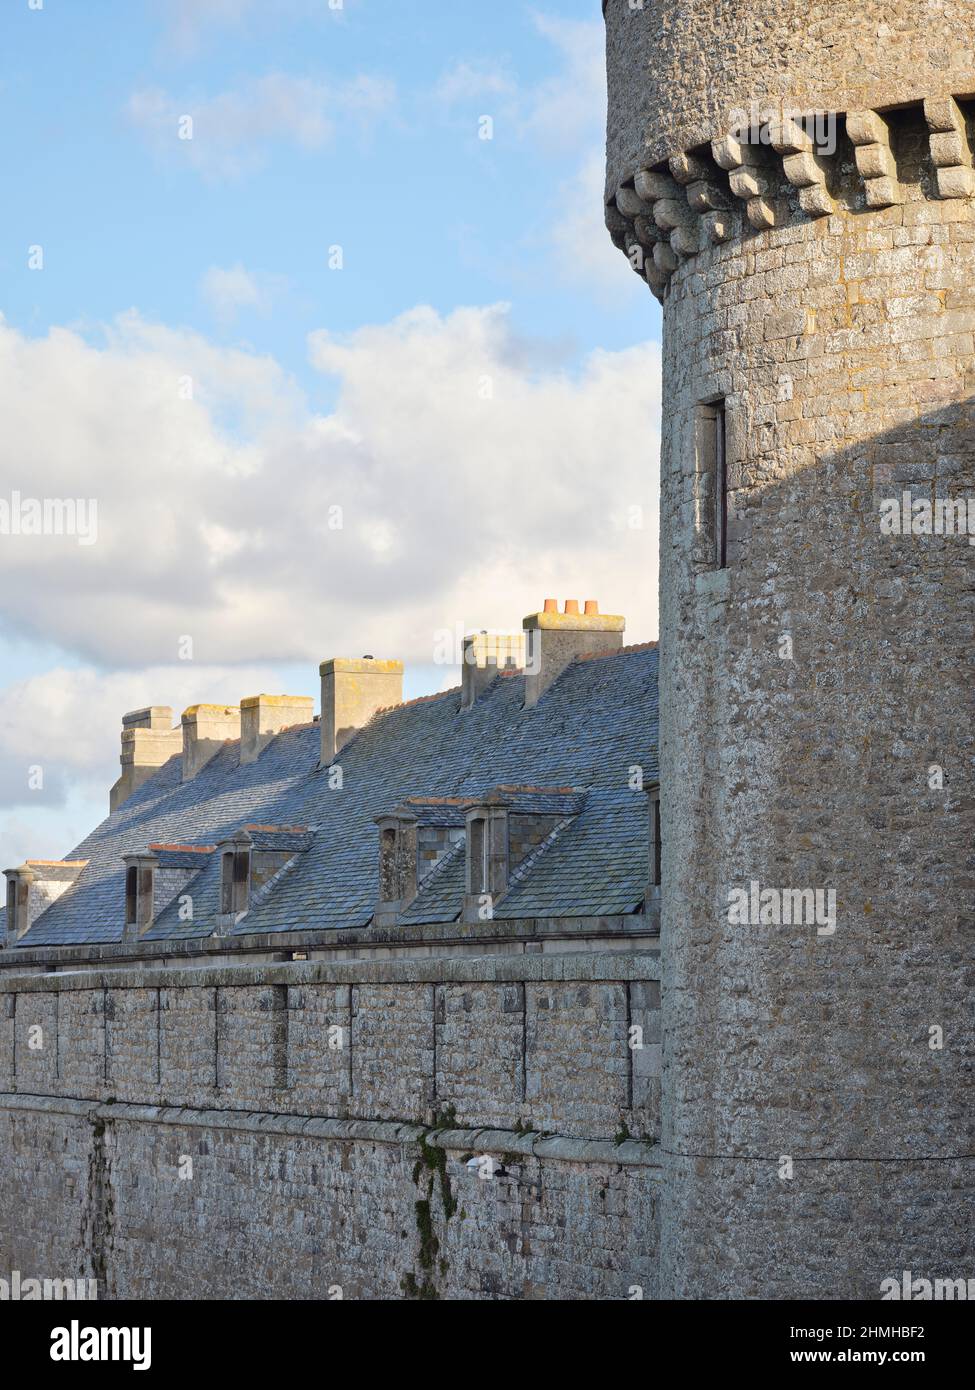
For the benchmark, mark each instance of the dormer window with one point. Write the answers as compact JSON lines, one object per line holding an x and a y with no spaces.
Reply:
{"x":140,"y":886}
{"x":251,"y":862}
{"x":397,"y":866}
{"x":18,"y":902}
{"x":477,"y":869}
{"x":388,"y":886}
{"x":32,"y":889}
{"x":487,"y":859}
{"x":235,"y":872}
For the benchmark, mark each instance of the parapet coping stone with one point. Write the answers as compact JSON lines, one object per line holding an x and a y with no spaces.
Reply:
{"x":516,"y":931}
{"x":576,"y":967}
{"x":566,"y":1148}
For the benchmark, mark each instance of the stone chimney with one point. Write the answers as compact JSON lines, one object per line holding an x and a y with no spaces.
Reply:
{"x":263,"y":716}
{"x":352,"y":692}
{"x":148,"y":741}
{"x":206,"y":728}
{"x":555,"y":639}
{"x":485,"y":654}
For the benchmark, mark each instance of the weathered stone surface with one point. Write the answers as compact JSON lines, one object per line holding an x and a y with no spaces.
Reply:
{"x":683,"y":75}
{"x":118,"y":1193}
{"x":816,"y":696}
{"x":263,"y":1131}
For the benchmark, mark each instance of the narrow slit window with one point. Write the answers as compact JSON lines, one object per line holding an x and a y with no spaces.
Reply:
{"x":655,"y":841}
{"x":720,"y":488}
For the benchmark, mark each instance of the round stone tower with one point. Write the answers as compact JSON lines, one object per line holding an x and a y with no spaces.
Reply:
{"x":794,"y":180}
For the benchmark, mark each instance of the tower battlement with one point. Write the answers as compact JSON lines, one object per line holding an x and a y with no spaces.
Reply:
{"x":681,"y":72}
{"x":789,"y":169}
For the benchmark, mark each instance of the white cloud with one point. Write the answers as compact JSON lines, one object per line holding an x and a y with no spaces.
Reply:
{"x":188,"y":20}
{"x":563,"y":113}
{"x":464,"y":81}
{"x":566,"y":112}
{"x":555,"y":112}
{"x":188,"y":24}
{"x":229,"y":289}
{"x":474,"y":478}
{"x":586,"y":255}
{"x":570,"y":105}
{"x":228,"y":135}
{"x":65,"y":724}
{"x":67,"y":721}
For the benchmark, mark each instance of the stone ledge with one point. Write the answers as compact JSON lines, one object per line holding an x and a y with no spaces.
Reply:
{"x":565,"y":1148}
{"x":584,"y":967}
{"x":631,"y":1153}
{"x":515,"y":934}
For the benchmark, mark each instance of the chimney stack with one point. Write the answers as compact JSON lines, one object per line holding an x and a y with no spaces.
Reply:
{"x":148,"y":741}
{"x":485,"y":654}
{"x":555,"y":639}
{"x":263,"y":716}
{"x":206,"y":728}
{"x":352,"y":691}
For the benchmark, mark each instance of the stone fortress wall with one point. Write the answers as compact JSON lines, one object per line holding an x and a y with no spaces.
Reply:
{"x":292,"y":1130}
{"x":815,"y":689}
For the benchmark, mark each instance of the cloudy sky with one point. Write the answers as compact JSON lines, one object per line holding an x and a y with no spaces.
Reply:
{"x":314,"y":302}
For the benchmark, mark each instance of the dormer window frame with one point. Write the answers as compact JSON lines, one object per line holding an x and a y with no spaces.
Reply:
{"x":488,"y":859}
{"x":140,"y":890}
{"x":18,"y":901}
{"x":131,"y":895}
{"x":477,"y":854}
{"x":398,"y":867}
{"x":236,"y":859}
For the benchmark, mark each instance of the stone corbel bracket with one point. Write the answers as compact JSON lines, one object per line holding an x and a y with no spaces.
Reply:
{"x":871,"y":137}
{"x":802,"y":166}
{"x":707,"y":201}
{"x":667,"y":217}
{"x":751,"y":176}
{"x":950,"y":149}
{"x":674,"y":212}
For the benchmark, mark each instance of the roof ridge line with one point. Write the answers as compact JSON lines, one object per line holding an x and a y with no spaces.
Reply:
{"x":620,"y":651}
{"x":419,"y":700}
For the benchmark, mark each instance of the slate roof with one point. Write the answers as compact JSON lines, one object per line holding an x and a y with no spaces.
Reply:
{"x":592,"y":725}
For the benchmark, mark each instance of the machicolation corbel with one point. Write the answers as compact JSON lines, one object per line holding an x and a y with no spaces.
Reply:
{"x":870,"y":134}
{"x":674,"y":212}
{"x":950,"y":148}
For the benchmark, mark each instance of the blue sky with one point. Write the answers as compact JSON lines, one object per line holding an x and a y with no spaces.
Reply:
{"x":425,"y":211}
{"x":473,"y":379}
